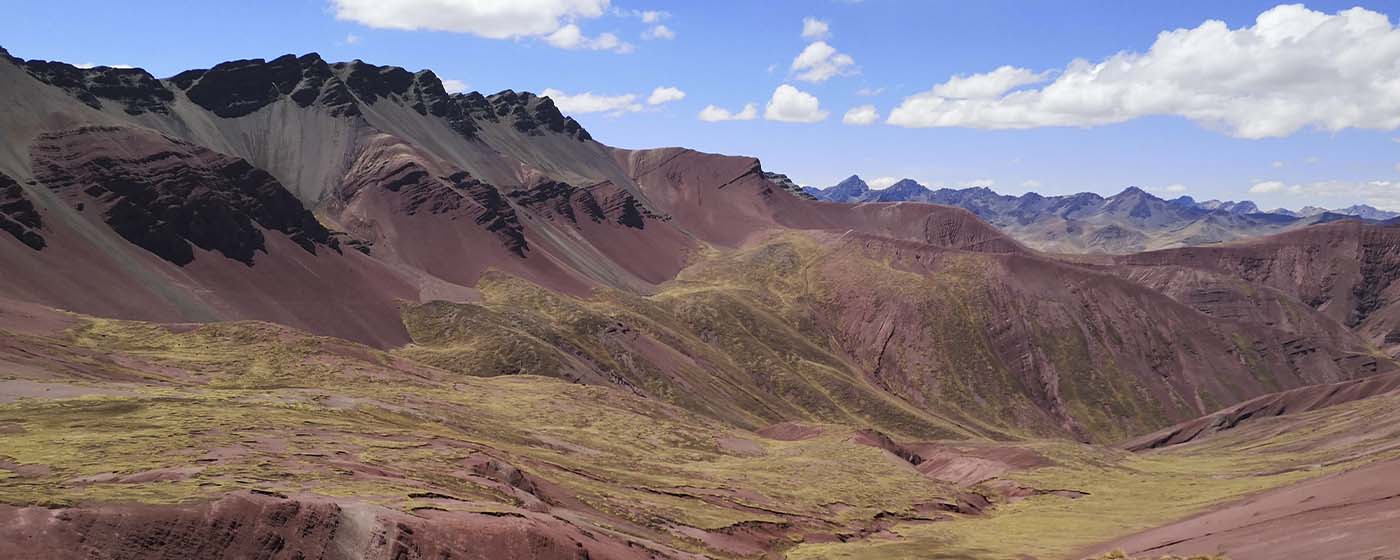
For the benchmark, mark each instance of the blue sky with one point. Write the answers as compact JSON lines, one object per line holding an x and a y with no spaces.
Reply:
{"x":1265,"y":123}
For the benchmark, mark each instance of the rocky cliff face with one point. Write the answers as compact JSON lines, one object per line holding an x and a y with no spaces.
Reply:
{"x":18,"y":216}
{"x":168,"y":196}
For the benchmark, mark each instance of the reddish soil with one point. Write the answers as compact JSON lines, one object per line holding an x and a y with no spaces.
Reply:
{"x":1268,"y":406}
{"x":967,"y":464}
{"x":1353,"y":515}
{"x":250,"y":525}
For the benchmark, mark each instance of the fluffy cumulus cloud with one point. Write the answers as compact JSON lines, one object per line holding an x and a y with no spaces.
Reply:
{"x":87,"y":65}
{"x":1030,"y":184}
{"x":551,"y":20}
{"x":454,"y":86}
{"x":589,"y":102}
{"x":571,"y":37}
{"x":665,"y":95}
{"x":495,"y":19}
{"x":790,"y":104}
{"x":1381,"y":194}
{"x":712,"y":113}
{"x":861,"y":116}
{"x":1294,"y":68}
{"x":1175,"y":188}
{"x":820,"y":62}
{"x":881,"y":182}
{"x":659,"y":32}
{"x":814,"y":29}
{"x":1266,"y":187}
{"x":991,"y":84}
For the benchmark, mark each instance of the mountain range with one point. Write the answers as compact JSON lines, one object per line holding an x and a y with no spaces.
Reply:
{"x":294,"y":308}
{"x":1130,"y":221}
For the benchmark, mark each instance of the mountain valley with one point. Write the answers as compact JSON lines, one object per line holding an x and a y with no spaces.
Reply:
{"x":294,"y":308}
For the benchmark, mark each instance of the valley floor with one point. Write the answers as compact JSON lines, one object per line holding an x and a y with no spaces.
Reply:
{"x":101,"y":415}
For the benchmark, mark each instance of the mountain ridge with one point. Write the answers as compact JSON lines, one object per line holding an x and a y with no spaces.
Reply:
{"x":1130,"y":221}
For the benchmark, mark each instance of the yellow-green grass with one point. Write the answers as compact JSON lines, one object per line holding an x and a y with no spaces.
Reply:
{"x":1131,"y":492}
{"x":359,"y":426}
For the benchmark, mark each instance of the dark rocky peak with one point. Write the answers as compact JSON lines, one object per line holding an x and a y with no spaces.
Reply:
{"x":1185,"y":201}
{"x":1078,"y":204}
{"x":1244,"y":207}
{"x":848,"y":190}
{"x":1366,"y":211}
{"x":240,"y":87}
{"x":533,"y":115}
{"x":903,"y":190}
{"x":1137,"y":203}
{"x":786,"y":183}
{"x":371,"y":83}
{"x":907,"y":186}
{"x":427,"y":96}
{"x":136,"y":90}
{"x":1134,"y":193}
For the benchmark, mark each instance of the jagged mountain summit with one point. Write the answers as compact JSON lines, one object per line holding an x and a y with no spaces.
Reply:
{"x":294,"y":308}
{"x":1130,"y":221}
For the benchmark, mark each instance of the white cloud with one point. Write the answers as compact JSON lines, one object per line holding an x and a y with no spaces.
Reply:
{"x":351,"y":38}
{"x":861,"y":116}
{"x":589,"y":102}
{"x":1294,"y":68}
{"x":820,"y":62}
{"x":790,"y":104}
{"x":991,"y":84}
{"x":869,"y":92}
{"x":572,"y":38}
{"x":1276,"y":164}
{"x":814,"y":29}
{"x":1266,"y":187}
{"x":659,"y":32}
{"x":712,"y":113}
{"x":1381,"y":194}
{"x":89,"y":65}
{"x":554,"y":21}
{"x":454,"y":86}
{"x":879,"y":183}
{"x":665,"y":95}
{"x":495,"y":19}
{"x":977,"y":183}
{"x":653,"y":16}
{"x":1030,"y":184}
{"x":1176,"y":188}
